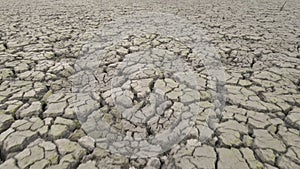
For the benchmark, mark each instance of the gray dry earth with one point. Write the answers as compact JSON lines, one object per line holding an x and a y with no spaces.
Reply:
{"x":48,"y":120}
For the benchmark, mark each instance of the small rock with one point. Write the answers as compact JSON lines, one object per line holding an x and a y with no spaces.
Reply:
{"x":263,"y":139}
{"x":294,"y":119}
{"x":5,"y":134}
{"x":5,"y":73}
{"x":9,"y":164}
{"x":245,"y":83}
{"x":268,"y":166}
{"x":154,"y":162}
{"x":13,"y":106}
{"x":18,"y":140}
{"x":230,"y":138}
{"x":40,"y":164}
{"x":285,"y":163}
{"x":58,"y":131}
{"x":88,"y":165}
{"x":29,"y":156}
{"x":55,"y":109}
{"x":66,"y":146}
{"x":22,"y":67}
{"x":122,"y":51}
{"x":43,"y":131}
{"x":231,"y":158}
{"x":147,"y":167}
{"x":5,"y":121}
{"x":87,"y":142}
{"x":266,"y":155}
{"x":247,"y":140}
{"x":70,"y":123}
{"x":249,"y":156}
{"x":33,"y":110}
{"x":77,"y":134}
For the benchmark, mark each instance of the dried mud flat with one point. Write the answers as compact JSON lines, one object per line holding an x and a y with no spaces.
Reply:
{"x":68,"y":94}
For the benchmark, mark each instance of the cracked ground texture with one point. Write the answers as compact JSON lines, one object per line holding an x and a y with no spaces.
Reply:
{"x":43,"y":124}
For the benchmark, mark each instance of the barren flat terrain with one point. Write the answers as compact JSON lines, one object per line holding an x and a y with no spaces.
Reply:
{"x":186,"y":84}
